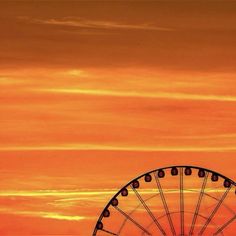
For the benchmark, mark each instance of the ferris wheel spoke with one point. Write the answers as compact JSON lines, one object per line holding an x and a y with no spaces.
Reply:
{"x":214,"y":211}
{"x":165,"y":205}
{"x":225,"y":225}
{"x":108,"y":232}
{"x":198,"y":203}
{"x":181,"y":201}
{"x":132,"y":220}
{"x":149,"y":211}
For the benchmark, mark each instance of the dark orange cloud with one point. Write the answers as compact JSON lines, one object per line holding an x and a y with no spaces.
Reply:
{"x":200,"y":39}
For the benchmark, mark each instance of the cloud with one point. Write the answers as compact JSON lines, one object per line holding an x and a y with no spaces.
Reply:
{"x":95,"y":24}
{"x":9,"y":81}
{"x":100,"y":147}
{"x":168,"y":95}
{"x":43,"y":214}
{"x":71,"y":195}
{"x":54,"y":215}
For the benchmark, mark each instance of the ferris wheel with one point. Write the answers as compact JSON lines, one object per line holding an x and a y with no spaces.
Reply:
{"x":176,"y":200}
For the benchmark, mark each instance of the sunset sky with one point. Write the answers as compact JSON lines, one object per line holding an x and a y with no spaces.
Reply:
{"x":95,"y":93}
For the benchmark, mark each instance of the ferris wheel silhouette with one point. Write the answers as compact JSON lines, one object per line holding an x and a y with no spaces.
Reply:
{"x":175,"y":200}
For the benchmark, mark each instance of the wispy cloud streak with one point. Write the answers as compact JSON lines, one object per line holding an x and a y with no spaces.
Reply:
{"x":43,"y":214}
{"x":96,"y":24}
{"x":100,"y":147}
{"x":168,"y":95}
{"x":93,"y":192}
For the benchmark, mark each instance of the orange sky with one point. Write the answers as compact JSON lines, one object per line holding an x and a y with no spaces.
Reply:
{"x":96,"y":93}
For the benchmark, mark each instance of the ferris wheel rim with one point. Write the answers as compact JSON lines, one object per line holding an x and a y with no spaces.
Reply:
{"x":153,"y":171}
